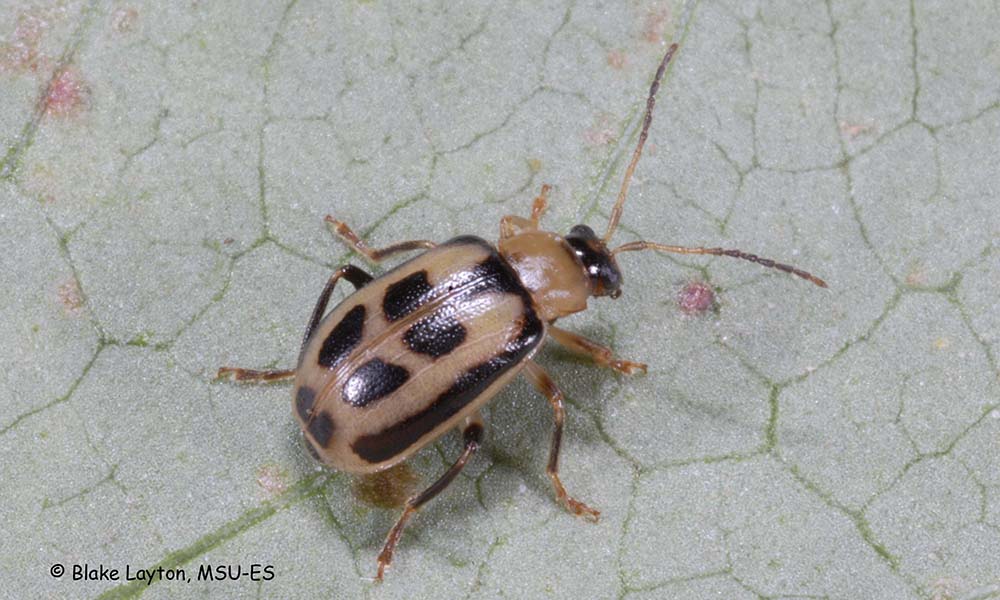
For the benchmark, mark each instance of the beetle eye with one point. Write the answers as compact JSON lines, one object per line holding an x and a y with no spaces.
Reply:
{"x":615,"y":294}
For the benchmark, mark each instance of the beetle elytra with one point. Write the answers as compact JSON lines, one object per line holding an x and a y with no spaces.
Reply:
{"x":415,"y":353}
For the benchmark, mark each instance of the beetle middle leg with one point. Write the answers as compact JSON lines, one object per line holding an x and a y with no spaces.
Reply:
{"x":511,"y":225}
{"x":548,"y":388}
{"x":356,"y":276}
{"x":472,"y":434}
{"x":375,"y":255}
{"x":358,"y":279}
{"x":599,"y":354}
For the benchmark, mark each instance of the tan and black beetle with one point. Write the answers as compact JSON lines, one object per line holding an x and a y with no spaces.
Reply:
{"x":416,"y":352}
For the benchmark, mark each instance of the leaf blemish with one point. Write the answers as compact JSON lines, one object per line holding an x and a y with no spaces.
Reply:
{"x":66,"y":95}
{"x":696,"y":298}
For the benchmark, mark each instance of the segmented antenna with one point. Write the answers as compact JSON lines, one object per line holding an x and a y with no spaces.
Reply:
{"x":616,"y":212}
{"x":766,"y":262}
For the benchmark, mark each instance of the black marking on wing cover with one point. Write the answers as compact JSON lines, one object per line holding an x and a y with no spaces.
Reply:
{"x":343,"y":338}
{"x":406,"y":295}
{"x":373,"y":380}
{"x":436,"y":334}
{"x":321,"y":428}
{"x":304,"y":399}
{"x":494,"y":274}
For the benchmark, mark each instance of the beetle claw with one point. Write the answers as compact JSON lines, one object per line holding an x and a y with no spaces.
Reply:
{"x":628,"y":367}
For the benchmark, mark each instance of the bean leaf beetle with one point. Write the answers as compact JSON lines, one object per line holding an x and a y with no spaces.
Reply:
{"x":415,"y":352}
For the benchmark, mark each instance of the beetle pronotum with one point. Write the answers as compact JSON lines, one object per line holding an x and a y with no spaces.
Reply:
{"x":416,"y":352}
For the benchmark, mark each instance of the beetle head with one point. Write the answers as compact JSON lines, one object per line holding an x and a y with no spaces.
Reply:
{"x":602,"y":269}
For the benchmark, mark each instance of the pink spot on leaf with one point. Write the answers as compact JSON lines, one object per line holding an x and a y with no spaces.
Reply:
{"x":853,"y":130}
{"x":271,"y":479}
{"x":66,"y":95}
{"x":655,"y":24}
{"x":617,"y":59}
{"x":601,"y":134}
{"x":21,"y":53}
{"x":124,"y":19}
{"x":696,"y":298}
{"x":71,"y":298}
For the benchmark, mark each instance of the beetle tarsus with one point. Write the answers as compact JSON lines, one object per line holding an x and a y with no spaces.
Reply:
{"x":572,"y":504}
{"x":385,"y":556}
{"x":627,"y":367}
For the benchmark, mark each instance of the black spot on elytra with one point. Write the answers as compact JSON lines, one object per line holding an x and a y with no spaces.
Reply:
{"x":373,"y":380}
{"x":435,"y":335}
{"x":343,"y":338}
{"x":406,"y":295}
{"x":304,"y":399}
{"x":321,"y":428}
{"x":391,"y":441}
{"x":495,"y":275}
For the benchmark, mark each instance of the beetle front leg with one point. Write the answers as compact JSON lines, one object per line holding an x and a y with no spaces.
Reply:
{"x":540,"y":204}
{"x":548,"y":388}
{"x":472,"y":433}
{"x":511,"y":225}
{"x":375,"y":255}
{"x":598,"y":353}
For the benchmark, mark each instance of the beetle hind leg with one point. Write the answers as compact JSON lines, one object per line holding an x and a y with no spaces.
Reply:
{"x":472,"y":434}
{"x":541,"y":380}
{"x":375,"y":255}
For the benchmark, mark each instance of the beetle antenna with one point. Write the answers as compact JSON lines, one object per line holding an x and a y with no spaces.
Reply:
{"x":766,"y":262}
{"x":616,"y":212}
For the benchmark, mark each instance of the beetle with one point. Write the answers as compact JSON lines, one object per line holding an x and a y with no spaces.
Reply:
{"x":417,"y":351}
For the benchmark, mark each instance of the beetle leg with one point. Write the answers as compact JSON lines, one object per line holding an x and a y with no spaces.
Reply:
{"x":511,"y":225}
{"x":251,"y":375}
{"x":358,"y":279}
{"x":375,"y":255}
{"x":472,"y":433}
{"x":597,"y":352}
{"x":548,"y":388}
{"x":540,"y":204}
{"x":349,"y":272}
